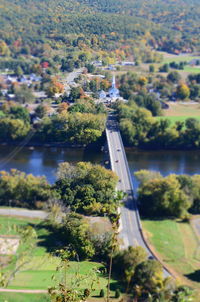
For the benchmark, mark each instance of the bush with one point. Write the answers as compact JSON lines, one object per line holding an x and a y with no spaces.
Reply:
{"x":117,"y":293}
{"x":102,"y":293}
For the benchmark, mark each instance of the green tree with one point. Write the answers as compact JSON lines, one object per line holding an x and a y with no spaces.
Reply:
{"x":174,"y":77}
{"x":163,"y":197}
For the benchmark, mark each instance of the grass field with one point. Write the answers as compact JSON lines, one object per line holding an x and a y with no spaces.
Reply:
{"x":19,"y":297}
{"x":181,"y":112}
{"x":168,"y":58}
{"x":177,"y":246}
{"x":37,"y":274}
{"x":174,"y":119}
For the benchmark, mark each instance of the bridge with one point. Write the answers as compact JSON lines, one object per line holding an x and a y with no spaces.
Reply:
{"x":130,"y":232}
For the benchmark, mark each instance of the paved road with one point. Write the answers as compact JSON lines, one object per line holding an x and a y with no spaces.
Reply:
{"x":23,"y":213}
{"x":130,"y":223}
{"x":69,"y":80}
{"x":130,"y":229}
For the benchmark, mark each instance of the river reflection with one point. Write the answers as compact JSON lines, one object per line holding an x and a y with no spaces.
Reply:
{"x":166,"y":162}
{"x":44,"y":161}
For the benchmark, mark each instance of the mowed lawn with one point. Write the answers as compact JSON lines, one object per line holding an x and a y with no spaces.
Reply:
{"x":177,"y":245}
{"x":38,"y":273}
{"x":20,"y":297}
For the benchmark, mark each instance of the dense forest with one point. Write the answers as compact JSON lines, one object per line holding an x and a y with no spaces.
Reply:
{"x":172,"y":26}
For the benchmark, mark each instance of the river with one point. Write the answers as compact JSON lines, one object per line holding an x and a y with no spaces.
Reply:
{"x":44,"y":161}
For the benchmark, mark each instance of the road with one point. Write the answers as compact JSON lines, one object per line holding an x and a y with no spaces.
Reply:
{"x":23,"y":213}
{"x":69,"y":80}
{"x":130,"y":226}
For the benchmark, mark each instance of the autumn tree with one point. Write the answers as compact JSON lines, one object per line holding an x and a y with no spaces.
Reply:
{"x":183,"y":91}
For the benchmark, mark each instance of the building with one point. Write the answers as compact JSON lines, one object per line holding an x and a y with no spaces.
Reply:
{"x":113,"y":91}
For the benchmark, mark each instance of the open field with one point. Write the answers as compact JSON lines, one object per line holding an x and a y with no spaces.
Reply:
{"x":177,"y":245}
{"x":182,"y":109}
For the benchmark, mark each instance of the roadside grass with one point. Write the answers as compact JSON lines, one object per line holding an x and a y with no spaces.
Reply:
{"x":38,"y":273}
{"x":177,"y":245}
{"x":20,"y":297}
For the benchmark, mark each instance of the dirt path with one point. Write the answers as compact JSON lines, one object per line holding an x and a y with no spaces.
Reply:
{"x":23,"y":213}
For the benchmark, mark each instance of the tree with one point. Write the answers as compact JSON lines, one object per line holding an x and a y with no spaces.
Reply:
{"x":142,"y":81}
{"x":126,"y":261}
{"x":151,"y":68}
{"x":183,"y":91}
{"x":74,"y":231}
{"x":4,"y":50}
{"x":13,"y":129}
{"x":19,"y":112}
{"x":75,"y":93}
{"x":23,"y":190}
{"x":147,"y":277}
{"x":23,"y":94}
{"x":18,"y":71}
{"x":174,"y":77}
{"x":54,"y":87}
{"x":163,"y":197}
{"x":41,"y":110}
{"x":87,"y":188}
{"x":164,"y":68}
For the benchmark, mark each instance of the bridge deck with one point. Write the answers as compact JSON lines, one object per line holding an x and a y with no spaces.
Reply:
{"x":130,"y":228}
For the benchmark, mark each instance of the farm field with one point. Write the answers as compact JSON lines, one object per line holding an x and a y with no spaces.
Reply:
{"x":177,"y":245}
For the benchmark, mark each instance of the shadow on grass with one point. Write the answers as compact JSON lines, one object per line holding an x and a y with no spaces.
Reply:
{"x":48,"y":237}
{"x":145,"y":218}
{"x":195,"y":276}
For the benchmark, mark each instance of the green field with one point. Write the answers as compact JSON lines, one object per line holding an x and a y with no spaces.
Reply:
{"x":177,"y":245}
{"x":174,"y":119}
{"x":179,"y":58}
{"x":19,"y":297}
{"x":37,"y":274}
{"x":168,"y":58}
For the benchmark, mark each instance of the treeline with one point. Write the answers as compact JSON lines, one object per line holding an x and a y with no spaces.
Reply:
{"x":140,"y":129}
{"x":83,"y":188}
{"x":175,"y":196}
{"x":63,"y":127}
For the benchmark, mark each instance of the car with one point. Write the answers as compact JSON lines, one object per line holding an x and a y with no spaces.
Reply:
{"x":118,"y":150}
{"x":116,"y":161}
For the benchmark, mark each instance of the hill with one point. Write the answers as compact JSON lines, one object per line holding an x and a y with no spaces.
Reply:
{"x":166,"y":25}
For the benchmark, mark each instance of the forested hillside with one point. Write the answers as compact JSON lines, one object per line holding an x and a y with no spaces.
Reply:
{"x":166,"y":24}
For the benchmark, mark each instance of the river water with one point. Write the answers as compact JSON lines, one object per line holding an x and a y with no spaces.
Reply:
{"x":44,"y":161}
